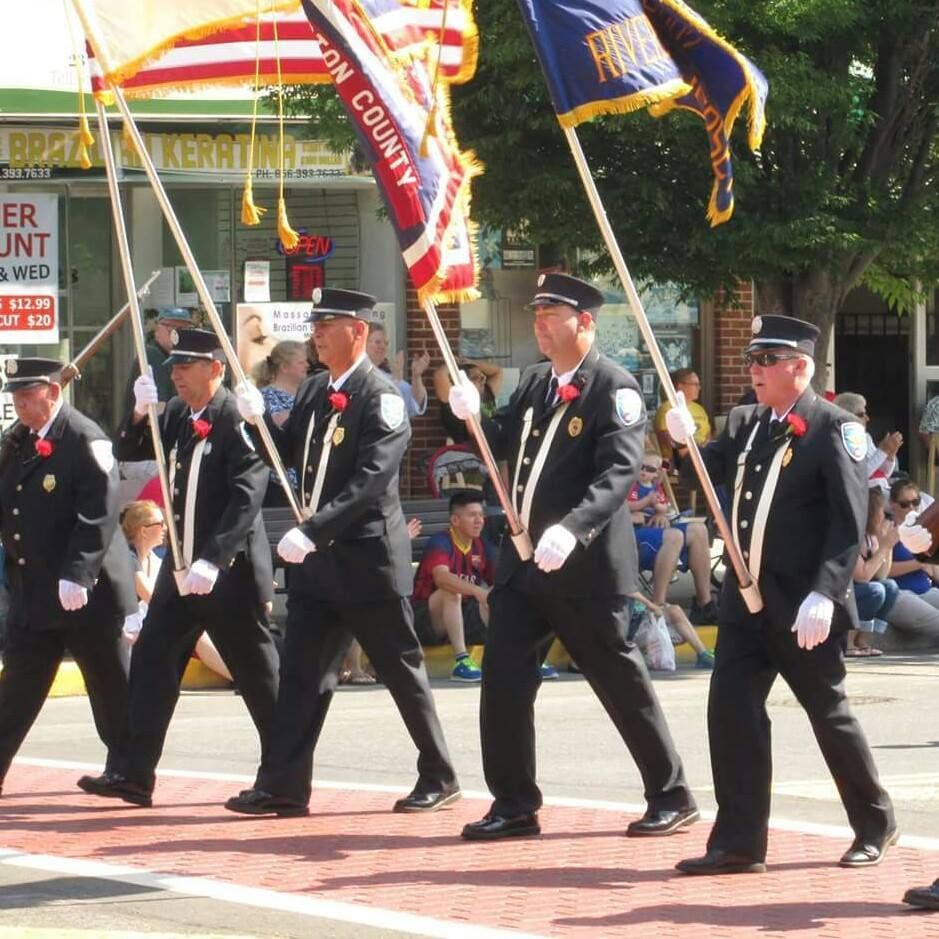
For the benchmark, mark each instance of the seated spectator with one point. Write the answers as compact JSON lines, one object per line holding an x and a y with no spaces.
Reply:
{"x":144,"y":527}
{"x":664,"y":543}
{"x":413,"y":392}
{"x":916,"y":608}
{"x":279,"y":376}
{"x":874,"y":592}
{"x":680,"y":629}
{"x":686,"y":381}
{"x":881,"y":457}
{"x":486,"y":376}
{"x":453,"y":581}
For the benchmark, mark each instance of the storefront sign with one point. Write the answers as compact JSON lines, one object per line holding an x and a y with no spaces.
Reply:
{"x":29,"y":268}
{"x":260,"y":326}
{"x":257,"y":281}
{"x":38,"y":152}
{"x":7,"y":411}
{"x":310,"y":249}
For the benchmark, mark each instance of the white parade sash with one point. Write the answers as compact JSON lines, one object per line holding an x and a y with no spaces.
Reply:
{"x":529,"y":494}
{"x":321,"y":468}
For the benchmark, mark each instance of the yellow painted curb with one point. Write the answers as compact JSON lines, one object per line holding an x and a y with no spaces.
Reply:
{"x":69,"y":682}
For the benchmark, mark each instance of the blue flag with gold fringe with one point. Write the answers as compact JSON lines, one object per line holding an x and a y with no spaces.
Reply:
{"x":616,"y":56}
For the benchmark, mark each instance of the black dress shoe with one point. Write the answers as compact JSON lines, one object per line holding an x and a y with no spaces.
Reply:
{"x":661,"y":822}
{"x":427,"y":801}
{"x":259,"y":802}
{"x":717,"y":861}
{"x":868,"y":852}
{"x":116,"y":786}
{"x":492,"y":826}
{"x":926,"y":897}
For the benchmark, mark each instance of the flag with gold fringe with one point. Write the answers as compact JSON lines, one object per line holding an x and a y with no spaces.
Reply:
{"x":399,"y":107}
{"x":615,"y":56}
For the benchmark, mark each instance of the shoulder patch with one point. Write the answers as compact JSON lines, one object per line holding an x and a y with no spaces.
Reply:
{"x":245,"y":435}
{"x":854,"y":438}
{"x":392,"y":410}
{"x":628,"y":405}
{"x":103,"y":453}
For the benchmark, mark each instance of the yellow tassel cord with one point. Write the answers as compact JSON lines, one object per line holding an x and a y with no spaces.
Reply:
{"x":85,"y":137}
{"x":251,"y":212}
{"x":288,"y":237}
{"x":430,"y":128}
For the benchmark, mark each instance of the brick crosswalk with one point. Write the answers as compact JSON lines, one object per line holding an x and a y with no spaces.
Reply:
{"x":581,"y":878}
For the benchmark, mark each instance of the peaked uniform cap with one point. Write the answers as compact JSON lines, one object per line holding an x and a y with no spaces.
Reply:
{"x":562,"y":288}
{"x":332,"y":302}
{"x":772,"y":331}
{"x":24,"y":372}
{"x":194,"y":345}
{"x":175,"y":313}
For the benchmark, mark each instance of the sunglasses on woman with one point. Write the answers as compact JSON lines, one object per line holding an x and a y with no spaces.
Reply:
{"x":908,"y":503}
{"x":767,"y":359}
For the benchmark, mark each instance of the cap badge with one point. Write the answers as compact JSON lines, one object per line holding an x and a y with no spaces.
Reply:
{"x":317,"y":294}
{"x":541,"y":278}
{"x":757,"y":325}
{"x":174,"y":337}
{"x":12,"y":367}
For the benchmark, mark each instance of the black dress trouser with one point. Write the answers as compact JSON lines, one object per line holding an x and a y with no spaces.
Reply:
{"x":235,"y":619}
{"x":30,"y":662}
{"x":593,"y":630}
{"x":319,"y":634}
{"x":747,"y":663}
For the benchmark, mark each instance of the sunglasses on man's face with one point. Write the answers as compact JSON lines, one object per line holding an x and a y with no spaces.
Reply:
{"x":908,"y":503}
{"x":767,"y":359}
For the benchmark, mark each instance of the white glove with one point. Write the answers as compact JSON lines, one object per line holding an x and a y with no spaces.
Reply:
{"x":464,"y":398}
{"x":813,"y":621}
{"x":553,"y":548}
{"x":913,"y":537}
{"x":133,"y":623}
{"x":295,"y":546}
{"x":201,"y":578}
{"x":679,"y":422}
{"x":145,"y":393}
{"x":72,"y":596}
{"x":250,"y":402}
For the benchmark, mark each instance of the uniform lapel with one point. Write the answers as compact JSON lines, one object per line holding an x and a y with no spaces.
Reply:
{"x":54,"y":436}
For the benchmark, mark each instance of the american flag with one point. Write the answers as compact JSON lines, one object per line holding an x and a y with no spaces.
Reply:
{"x":229,"y":57}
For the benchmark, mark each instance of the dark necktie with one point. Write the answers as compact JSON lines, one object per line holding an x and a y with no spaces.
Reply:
{"x":552,"y":392}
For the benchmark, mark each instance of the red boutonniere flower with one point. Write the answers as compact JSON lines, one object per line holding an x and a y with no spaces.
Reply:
{"x":44,"y":447}
{"x":201,"y":428}
{"x":569,"y":392}
{"x":797,"y":425}
{"x":338,"y":401}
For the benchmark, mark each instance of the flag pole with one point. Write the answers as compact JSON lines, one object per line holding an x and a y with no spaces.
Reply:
{"x":517,"y":532}
{"x":748,"y":587}
{"x":203,"y":291}
{"x":136,"y":322}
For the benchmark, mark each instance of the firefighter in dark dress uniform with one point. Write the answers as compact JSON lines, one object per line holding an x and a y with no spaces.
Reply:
{"x":345,"y":437}
{"x":573,"y":435}
{"x":67,"y":563}
{"x":218,"y":483}
{"x":794,"y":465}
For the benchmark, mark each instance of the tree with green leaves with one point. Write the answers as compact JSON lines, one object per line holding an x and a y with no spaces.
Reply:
{"x":844,"y":191}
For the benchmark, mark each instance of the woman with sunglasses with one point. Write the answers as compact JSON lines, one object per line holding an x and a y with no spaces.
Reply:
{"x":911,"y":573}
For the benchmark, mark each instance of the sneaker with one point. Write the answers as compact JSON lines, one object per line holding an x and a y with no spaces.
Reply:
{"x":705,"y":659}
{"x":466,"y":670}
{"x":548,"y":673}
{"x":703,"y":615}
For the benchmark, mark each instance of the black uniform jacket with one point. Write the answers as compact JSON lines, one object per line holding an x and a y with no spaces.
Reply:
{"x":232,"y":480}
{"x":817,"y":516}
{"x":59,"y":521}
{"x":363,"y":551}
{"x":591,"y":464}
